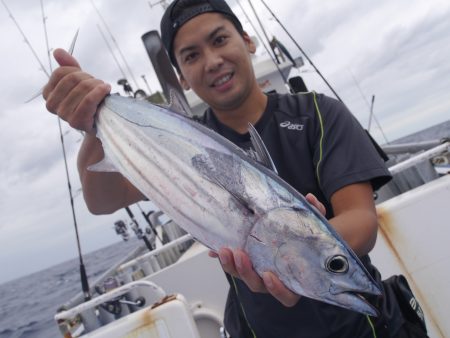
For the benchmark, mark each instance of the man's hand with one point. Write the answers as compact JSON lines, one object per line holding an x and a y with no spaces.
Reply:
{"x":238,"y":264}
{"x":73,"y":94}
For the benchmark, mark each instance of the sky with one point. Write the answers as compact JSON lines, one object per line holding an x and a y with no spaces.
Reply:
{"x":397,"y":51}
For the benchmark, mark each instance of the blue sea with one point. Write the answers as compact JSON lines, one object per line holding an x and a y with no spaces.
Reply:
{"x":29,"y":303}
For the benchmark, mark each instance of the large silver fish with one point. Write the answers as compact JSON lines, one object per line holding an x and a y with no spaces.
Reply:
{"x":225,"y":198}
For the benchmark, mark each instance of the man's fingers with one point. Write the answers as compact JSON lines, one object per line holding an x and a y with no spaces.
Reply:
{"x":238,"y":264}
{"x":316,"y":203}
{"x":213,"y":254}
{"x":87,"y":108}
{"x":65,"y":59}
{"x":69,"y":65}
{"x":246,"y":272}
{"x":67,"y":74}
{"x":75,"y":95}
{"x":60,"y":89}
{"x":227,"y":260}
{"x":277,"y":289}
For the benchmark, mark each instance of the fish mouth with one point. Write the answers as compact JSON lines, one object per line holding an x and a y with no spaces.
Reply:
{"x":372,"y":290}
{"x":357,"y":301}
{"x":366,"y":308}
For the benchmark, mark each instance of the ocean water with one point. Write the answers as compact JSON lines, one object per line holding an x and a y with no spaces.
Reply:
{"x":29,"y":303}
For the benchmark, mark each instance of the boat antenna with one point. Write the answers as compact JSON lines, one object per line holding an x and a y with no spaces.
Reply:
{"x":262,"y":41}
{"x":371,"y":113}
{"x":111,"y":51}
{"x":370,"y":106}
{"x":115,"y":43}
{"x":83,"y":275}
{"x":301,"y":50}
{"x":25,"y":39}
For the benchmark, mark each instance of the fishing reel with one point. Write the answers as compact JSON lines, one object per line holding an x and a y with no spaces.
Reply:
{"x":114,"y":306}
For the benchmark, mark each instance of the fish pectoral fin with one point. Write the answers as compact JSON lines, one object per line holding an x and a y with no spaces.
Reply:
{"x":207,"y":169}
{"x":105,"y":165}
{"x":239,"y":199}
{"x":179,"y":104}
{"x":262,"y":154}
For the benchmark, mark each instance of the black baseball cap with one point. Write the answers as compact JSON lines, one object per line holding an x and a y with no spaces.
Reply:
{"x":181,"y":11}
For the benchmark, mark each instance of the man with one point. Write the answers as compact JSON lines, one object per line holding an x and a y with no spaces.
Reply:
{"x":328,"y":154}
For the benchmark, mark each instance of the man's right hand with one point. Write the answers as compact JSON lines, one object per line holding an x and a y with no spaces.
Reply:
{"x":73,"y":94}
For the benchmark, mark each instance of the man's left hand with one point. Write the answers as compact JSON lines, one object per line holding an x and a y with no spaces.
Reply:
{"x":238,"y":264}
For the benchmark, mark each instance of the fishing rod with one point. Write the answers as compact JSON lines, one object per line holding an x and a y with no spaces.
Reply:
{"x":83,"y":274}
{"x":25,"y":39}
{"x":137,"y":230}
{"x":262,"y":27}
{"x":150,"y":224}
{"x":301,"y":50}
{"x":116,"y":44}
{"x":163,"y":4}
{"x":262,"y":41}
{"x":84,"y":279}
{"x":44,"y":23}
{"x":111,"y":51}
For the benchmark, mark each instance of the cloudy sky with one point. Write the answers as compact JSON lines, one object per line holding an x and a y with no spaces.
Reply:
{"x":397,"y":51}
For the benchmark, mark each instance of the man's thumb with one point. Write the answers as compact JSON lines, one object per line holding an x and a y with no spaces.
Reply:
{"x":65,"y":59}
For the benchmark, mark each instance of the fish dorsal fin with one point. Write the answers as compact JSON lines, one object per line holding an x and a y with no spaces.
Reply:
{"x":104,"y":165}
{"x":262,"y":155}
{"x":179,"y":104}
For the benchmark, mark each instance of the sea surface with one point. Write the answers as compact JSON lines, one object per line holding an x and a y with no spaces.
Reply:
{"x":29,"y":303}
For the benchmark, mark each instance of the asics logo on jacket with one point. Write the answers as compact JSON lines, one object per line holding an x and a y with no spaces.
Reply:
{"x":291,"y":126}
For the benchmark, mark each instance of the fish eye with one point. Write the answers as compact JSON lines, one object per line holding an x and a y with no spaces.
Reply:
{"x":337,"y":264}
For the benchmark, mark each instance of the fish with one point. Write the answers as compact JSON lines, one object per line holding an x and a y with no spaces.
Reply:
{"x":226,"y":197}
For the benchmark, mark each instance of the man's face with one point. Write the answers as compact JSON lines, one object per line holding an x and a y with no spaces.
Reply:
{"x":214,"y":60}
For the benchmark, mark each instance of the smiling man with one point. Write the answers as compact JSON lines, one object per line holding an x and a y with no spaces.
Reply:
{"x":316,"y":144}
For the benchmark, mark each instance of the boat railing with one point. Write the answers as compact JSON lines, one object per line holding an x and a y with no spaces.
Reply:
{"x":147,"y":256}
{"x":111,"y":295}
{"x":412,"y":167}
{"x":412,"y":147}
{"x":143,"y":265}
{"x":426,"y":155}
{"x":85,"y":317}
